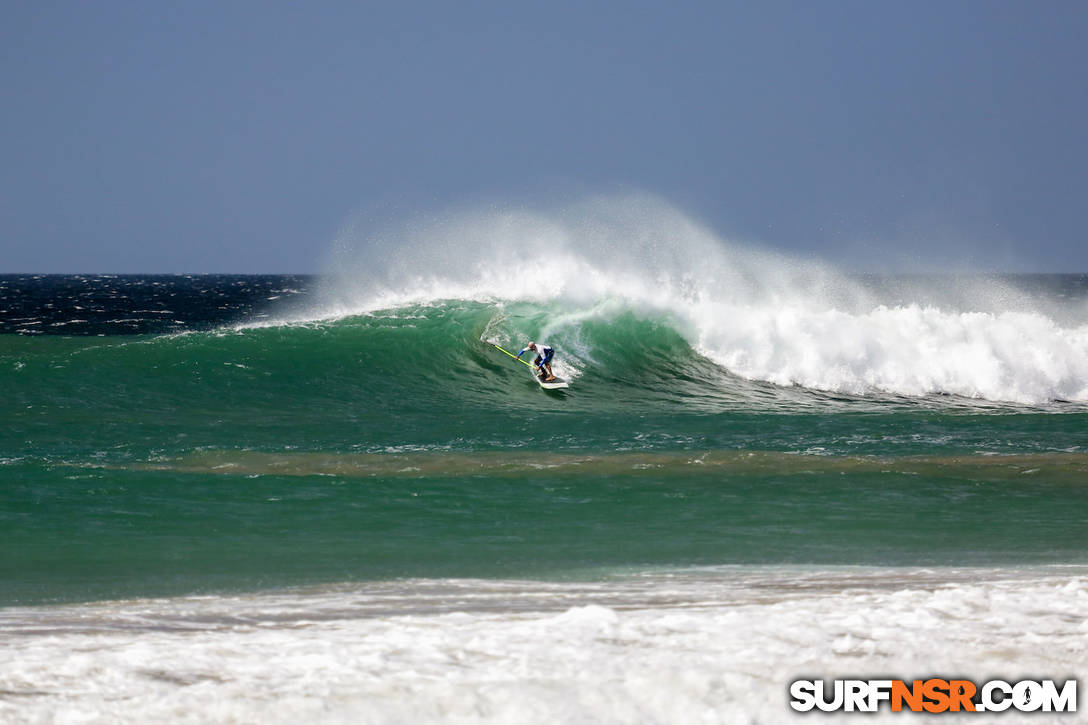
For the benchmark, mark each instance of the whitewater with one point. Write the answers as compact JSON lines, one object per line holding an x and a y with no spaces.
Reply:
{"x":715,"y":646}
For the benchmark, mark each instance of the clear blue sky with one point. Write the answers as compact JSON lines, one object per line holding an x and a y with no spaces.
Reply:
{"x":239,"y":136}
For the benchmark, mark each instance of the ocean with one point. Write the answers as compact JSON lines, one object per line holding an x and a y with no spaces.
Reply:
{"x":291,"y":498}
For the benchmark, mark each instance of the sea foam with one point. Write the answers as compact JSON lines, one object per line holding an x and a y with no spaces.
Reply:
{"x":713,"y":645}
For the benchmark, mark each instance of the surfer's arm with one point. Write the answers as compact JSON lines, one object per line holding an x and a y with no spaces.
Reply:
{"x":522,"y":352}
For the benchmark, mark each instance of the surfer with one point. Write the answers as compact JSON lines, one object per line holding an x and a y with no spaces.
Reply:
{"x":543,"y":361}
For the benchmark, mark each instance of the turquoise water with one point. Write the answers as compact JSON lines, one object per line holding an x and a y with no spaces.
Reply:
{"x":398,"y":442}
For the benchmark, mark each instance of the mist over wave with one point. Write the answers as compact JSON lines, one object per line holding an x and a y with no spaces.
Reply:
{"x":759,"y":314}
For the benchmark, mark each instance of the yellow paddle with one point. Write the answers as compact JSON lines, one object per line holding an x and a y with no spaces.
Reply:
{"x":512,"y":355}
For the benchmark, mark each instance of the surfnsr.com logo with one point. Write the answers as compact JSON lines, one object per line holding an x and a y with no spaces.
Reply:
{"x":933,"y":695}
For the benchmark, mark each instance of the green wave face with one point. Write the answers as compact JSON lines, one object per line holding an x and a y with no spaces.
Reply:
{"x":415,"y":360}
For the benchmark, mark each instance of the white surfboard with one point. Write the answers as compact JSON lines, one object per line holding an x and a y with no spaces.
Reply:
{"x":557,"y":384}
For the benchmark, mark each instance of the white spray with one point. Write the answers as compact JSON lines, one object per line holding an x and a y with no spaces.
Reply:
{"x":759,"y":314}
